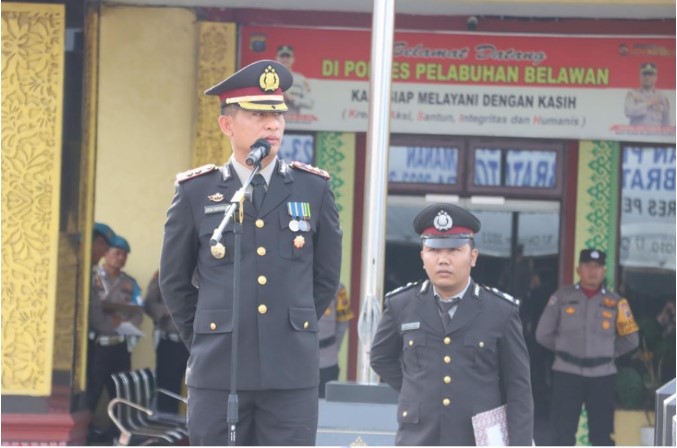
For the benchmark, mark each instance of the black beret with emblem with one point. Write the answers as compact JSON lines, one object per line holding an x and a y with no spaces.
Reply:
{"x":595,"y":255}
{"x":446,"y":226}
{"x":256,"y":87}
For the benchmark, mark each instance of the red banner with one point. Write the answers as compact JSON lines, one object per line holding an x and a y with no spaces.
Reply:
{"x":471,"y":58}
{"x":548,"y":86}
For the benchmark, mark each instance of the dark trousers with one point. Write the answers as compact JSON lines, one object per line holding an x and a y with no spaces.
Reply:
{"x":267,"y":417}
{"x":171,"y":359}
{"x":102,"y":361}
{"x":327,"y":374}
{"x":569,"y":393}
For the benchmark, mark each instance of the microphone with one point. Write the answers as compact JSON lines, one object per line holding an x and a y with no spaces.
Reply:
{"x":259,"y":150}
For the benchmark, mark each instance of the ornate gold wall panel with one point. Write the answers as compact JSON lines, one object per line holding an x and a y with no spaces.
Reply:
{"x":87,"y":170}
{"x":216,"y":60}
{"x":32,"y":90}
{"x":66,"y":293}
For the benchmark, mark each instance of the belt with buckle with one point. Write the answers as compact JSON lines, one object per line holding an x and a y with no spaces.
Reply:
{"x":107,"y":340}
{"x":584,"y":362}
{"x":174,"y":337}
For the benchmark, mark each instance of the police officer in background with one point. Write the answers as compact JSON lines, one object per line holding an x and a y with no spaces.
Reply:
{"x":116,"y":299}
{"x":171,"y":354}
{"x":298,"y":96}
{"x":290,"y":266}
{"x":450,"y":347}
{"x":647,"y":106}
{"x":588,"y":327}
{"x":333,"y":326}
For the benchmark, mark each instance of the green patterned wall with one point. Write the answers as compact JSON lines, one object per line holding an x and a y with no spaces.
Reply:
{"x":335,"y":153}
{"x":597,"y":201}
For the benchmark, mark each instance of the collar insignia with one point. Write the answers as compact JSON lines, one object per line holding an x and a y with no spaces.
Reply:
{"x":443,"y":221}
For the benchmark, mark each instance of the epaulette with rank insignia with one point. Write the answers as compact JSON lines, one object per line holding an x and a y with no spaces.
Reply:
{"x":310,"y":169}
{"x":402,"y":288}
{"x":199,"y":171}
{"x":502,"y":295}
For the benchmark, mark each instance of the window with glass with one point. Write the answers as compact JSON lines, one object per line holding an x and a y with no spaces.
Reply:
{"x":528,"y":167}
{"x":299,"y":147}
{"x":425,"y":164}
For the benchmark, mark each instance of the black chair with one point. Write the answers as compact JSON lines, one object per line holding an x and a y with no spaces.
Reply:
{"x":132,"y":411}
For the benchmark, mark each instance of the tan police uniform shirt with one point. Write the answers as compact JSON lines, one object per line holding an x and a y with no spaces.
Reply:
{"x":587,"y":335}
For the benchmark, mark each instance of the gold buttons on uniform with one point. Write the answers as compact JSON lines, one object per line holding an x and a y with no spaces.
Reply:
{"x":305,"y":324}
{"x":263,"y":309}
{"x":411,"y":343}
{"x":262,"y":280}
{"x":446,"y":402}
{"x":447,"y":340}
{"x":447,"y":379}
{"x":259,"y":223}
{"x":261,"y":251}
{"x":212,"y":326}
{"x":404,"y":413}
{"x":481,"y":344}
{"x":447,"y":359}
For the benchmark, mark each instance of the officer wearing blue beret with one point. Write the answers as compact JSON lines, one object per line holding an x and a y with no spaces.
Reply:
{"x":452,"y":348}
{"x":109,"y":350}
{"x":290,"y":266}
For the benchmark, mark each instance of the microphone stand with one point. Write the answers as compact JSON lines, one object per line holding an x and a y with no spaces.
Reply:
{"x":236,"y":205}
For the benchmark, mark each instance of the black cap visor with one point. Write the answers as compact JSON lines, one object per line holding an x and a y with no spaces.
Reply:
{"x":445,"y":242}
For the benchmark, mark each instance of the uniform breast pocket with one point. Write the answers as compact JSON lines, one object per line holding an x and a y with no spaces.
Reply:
{"x":484,"y":351}
{"x":295,"y":245}
{"x":413,"y":343}
{"x":606,"y":322}
{"x":572,"y":319}
{"x":221,"y":255}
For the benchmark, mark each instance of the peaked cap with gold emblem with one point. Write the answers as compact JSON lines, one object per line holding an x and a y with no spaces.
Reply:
{"x":445,"y":226}
{"x":256,"y":87}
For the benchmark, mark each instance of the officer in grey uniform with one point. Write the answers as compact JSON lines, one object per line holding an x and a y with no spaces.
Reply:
{"x":452,"y":348}
{"x":298,"y":95}
{"x":333,"y":327}
{"x":171,"y":354}
{"x":647,"y":106}
{"x":588,"y":327}
{"x":117,"y":299}
{"x":290,"y":267}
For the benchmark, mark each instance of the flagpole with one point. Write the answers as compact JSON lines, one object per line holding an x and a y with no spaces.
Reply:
{"x":376,"y":191}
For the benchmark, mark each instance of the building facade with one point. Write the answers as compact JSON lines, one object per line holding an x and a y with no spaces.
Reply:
{"x":520,"y":118}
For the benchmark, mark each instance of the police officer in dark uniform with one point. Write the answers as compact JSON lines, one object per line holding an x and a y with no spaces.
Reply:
{"x":450,"y":347}
{"x":588,"y":327}
{"x":290,"y":266}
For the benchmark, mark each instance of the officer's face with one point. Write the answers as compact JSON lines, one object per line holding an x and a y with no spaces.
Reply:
{"x":649,"y":80}
{"x":591,"y":274}
{"x":115,"y":258}
{"x":449,"y":269}
{"x":286,"y":59}
{"x":99,"y":248}
{"x":244,"y":127}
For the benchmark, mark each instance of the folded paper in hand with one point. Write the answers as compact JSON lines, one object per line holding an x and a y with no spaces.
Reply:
{"x":491,"y":427}
{"x":128,"y":329}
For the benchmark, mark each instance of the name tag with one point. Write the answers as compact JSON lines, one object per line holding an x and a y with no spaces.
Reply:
{"x":411,"y":326}
{"x":209,"y":209}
